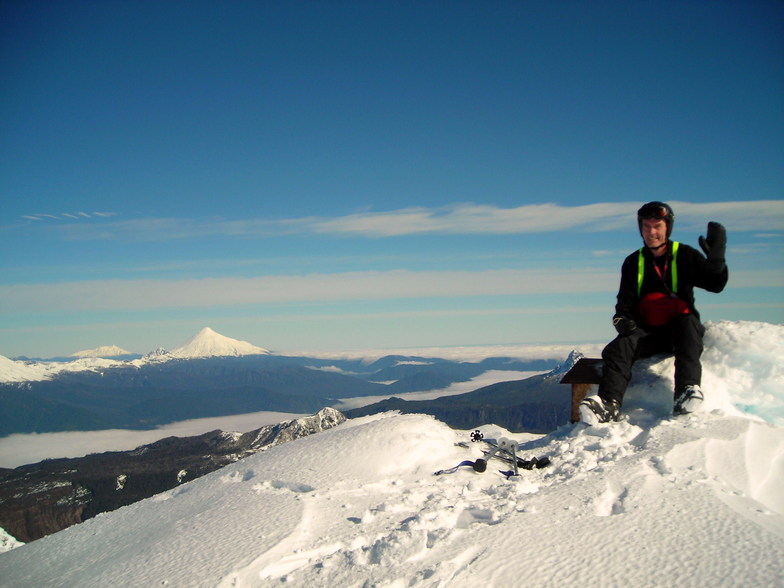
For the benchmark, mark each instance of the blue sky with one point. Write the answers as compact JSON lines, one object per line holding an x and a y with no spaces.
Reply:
{"x":346,"y":175}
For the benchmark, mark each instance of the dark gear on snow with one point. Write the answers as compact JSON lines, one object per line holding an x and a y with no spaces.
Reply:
{"x":595,"y":409}
{"x":503,"y":449}
{"x":687,"y":399}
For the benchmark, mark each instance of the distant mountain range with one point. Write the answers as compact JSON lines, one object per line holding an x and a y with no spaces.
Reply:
{"x":537,"y":404}
{"x":40,"y":499}
{"x":213,"y":375}
{"x":206,"y":343}
{"x":210,"y":375}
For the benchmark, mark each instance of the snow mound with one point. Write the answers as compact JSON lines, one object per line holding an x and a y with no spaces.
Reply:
{"x":358,"y":505}
{"x":208,"y":343}
{"x":746,"y":362}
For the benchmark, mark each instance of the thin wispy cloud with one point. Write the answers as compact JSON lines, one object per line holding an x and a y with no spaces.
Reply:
{"x":459,"y":219}
{"x":336,"y":287}
{"x":545,"y":218}
{"x":479,"y":219}
{"x":66,"y":216}
{"x":112,"y":295}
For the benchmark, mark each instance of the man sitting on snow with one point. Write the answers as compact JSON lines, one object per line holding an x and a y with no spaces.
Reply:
{"x":655,"y":312}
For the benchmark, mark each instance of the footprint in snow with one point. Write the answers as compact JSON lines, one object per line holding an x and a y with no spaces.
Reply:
{"x":295,"y":487}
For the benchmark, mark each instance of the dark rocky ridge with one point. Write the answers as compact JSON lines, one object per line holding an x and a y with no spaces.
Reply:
{"x":42,"y":498}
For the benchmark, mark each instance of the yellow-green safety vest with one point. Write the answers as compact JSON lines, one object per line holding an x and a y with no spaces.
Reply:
{"x":673,"y":272}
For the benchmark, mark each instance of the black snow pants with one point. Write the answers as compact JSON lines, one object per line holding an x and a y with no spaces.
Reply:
{"x":681,"y":338}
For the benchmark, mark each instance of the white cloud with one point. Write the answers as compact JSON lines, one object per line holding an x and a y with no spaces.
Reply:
{"x":458,"y":219}
{"x":480,"y":219}
{"x":347,"y":286}
{"x":753,"y":215}
{"x":370,"y":285}
{"x":19,"y":449}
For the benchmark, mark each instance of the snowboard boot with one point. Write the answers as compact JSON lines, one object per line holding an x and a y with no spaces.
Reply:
{"x":595,"y":410}
{"x":688,"y":399}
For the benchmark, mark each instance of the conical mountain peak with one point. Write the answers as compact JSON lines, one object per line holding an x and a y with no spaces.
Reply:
{"x":208,"y":343}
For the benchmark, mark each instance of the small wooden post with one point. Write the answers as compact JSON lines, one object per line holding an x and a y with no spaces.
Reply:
{"x":584,"y":374}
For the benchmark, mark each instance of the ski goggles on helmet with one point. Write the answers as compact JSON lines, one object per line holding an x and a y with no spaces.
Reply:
{"x":658,"y":211}
{"x":655,"y":210}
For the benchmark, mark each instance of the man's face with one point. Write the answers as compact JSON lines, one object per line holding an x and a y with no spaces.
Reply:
{"x":654,"y":232}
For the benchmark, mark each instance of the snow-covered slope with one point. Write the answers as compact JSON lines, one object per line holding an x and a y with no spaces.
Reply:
{"x":650,"y":501}
{"x":208,"y":343}
{"x":682,"y":503}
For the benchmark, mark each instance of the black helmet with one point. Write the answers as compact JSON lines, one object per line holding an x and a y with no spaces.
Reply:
{"x":658,"y":211}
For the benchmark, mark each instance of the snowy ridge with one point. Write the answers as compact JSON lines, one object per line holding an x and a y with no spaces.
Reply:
{"x":208,"y":343}
{"x":20,"y":371}
{"x":358,"y":505}
{"x":23,"y":371}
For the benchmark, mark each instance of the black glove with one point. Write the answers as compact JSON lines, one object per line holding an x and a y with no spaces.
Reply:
{"x":624,"y":325}
{"x":715,"y":244}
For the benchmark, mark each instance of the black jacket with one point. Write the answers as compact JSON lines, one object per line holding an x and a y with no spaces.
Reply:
{"x":694,"y":271}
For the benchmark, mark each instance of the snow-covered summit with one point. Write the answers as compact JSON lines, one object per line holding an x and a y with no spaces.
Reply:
{"x":342,"y":508}
{"x":574,"y":357}
{"x":649,"y":501}
{"x":103,"y":351}
{"x":208,"y":343}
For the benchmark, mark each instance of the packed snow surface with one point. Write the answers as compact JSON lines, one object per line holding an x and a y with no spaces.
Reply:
{"x":688,"y":501}
{"x":652,"y":500}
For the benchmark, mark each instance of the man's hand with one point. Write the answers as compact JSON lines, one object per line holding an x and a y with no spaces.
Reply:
{"x":715,"y":244}
{"x":624,"y":325}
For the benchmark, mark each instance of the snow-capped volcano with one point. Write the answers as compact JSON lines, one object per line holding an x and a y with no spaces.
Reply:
{"x":103,"y":351}
{"x":208,"y":343}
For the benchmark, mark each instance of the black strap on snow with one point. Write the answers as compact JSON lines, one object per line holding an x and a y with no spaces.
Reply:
{"x":479,"y":465}
{"x":536,"y":462}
